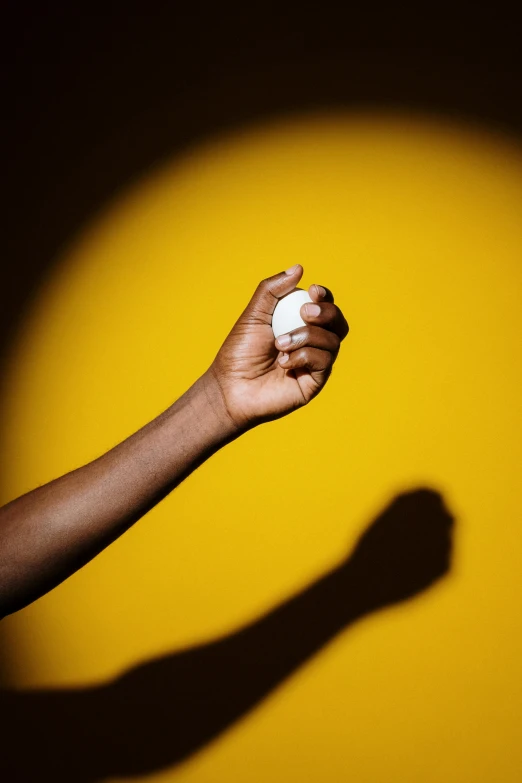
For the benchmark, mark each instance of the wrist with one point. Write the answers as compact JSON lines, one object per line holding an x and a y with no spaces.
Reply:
{"x":213,"y":409}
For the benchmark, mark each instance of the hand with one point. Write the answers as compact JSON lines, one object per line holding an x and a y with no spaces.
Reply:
{"x":261,"y":378}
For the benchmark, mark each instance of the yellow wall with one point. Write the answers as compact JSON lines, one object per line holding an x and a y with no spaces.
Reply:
{"x":415,"y":224}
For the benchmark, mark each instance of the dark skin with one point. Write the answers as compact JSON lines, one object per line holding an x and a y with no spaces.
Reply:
{"x":52,"y":531}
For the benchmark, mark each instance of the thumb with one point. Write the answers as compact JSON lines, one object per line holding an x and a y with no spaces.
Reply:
{"x":270,"y":291}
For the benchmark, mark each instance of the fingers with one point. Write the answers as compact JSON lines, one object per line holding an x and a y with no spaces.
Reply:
{"x":314,"y":347}
{"x":269,"y":291}
{"x":318,"y":293}
{"x":310,"y":348}
{"x":312,"y":359}
{"x":311,"y":336}
{"x":327,"y":315}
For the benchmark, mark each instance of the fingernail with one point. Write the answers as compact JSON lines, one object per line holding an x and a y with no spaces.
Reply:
{"x":320,"y":290}
{"x":284,"y":358}
{"x":291,"y":270}
{"x":284,"y":340}
{"x":312,"y":309}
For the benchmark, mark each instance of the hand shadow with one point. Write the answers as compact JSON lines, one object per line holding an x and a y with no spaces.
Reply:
{"x":160,"y":712}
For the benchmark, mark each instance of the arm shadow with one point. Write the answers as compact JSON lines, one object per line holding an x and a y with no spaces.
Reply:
{"x":162,"y":711}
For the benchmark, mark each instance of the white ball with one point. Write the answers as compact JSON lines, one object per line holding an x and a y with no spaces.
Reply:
{"x":286,"y":315}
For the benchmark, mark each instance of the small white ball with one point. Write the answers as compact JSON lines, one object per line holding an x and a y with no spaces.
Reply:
{"x":286,"y":315}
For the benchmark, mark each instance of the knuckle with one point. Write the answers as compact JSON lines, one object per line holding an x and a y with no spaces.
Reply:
{"x":335,"y":341}
{"x":301,"y":336}
{"x":326,"y":360}
{"x":268,"y":283}
{"x":302,"y":356}
{"x":315,"y":358}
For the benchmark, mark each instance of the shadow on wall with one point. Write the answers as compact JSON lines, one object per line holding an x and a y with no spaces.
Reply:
{"x":162,"y":711}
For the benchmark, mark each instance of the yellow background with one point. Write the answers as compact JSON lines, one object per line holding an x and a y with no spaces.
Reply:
{"x":415,"y":224}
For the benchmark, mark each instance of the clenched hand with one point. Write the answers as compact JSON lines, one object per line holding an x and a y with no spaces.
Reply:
{"x":261,"y":378}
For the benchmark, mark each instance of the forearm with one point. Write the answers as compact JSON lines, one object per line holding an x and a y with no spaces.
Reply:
{"x":52,"y":531}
